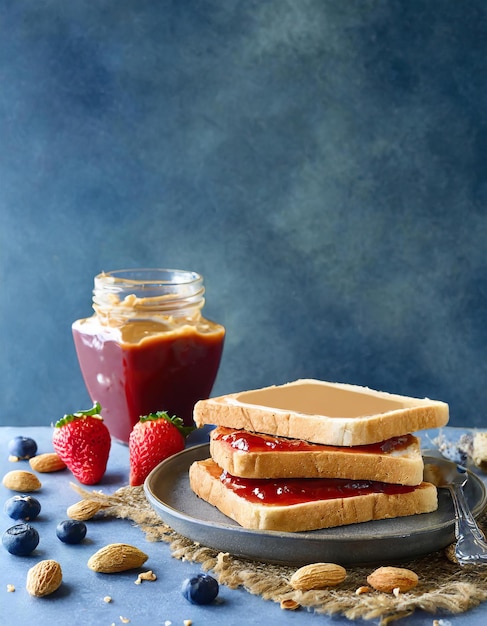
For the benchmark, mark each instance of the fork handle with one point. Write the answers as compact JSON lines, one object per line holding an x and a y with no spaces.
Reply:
{"x":465,"y":515}
{"x":471,"y":546}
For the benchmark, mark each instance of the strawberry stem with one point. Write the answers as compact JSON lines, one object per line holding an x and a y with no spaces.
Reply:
{"x":175,"y":421}
{"x":70,"y":417}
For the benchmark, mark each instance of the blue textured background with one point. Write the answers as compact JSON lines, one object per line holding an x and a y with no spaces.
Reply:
{"x":321,"y":162}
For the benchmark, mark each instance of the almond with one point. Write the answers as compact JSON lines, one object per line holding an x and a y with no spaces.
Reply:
{"x":290,"y":605}
{"x":20,"y":480}
{"x":48,"y":462}
{"x":363,"y":589}
{"x":44,"y":578}
{"x":318,"y":576}
{"x":387,"y":579}
{"x":117,"y":557}
{"x":149,"y":575}
{"x":84,"y":510}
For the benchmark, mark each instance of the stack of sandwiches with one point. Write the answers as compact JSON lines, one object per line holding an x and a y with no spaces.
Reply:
{"x":311,"y":454}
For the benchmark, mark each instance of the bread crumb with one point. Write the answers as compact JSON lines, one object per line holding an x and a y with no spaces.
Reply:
{"x":187,"y":622}
{"x":10,"y":588}
{"x":107,"y":599}
{"x":124,"y":620}
{"x":168,"y":622}
{"x":363,"y":589}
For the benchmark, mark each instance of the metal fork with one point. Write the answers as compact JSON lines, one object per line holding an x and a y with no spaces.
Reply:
{"x":471,"y":547}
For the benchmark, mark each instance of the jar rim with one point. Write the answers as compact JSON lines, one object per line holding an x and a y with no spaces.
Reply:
{"x":150,"y":276}
{"x":177,"y":292}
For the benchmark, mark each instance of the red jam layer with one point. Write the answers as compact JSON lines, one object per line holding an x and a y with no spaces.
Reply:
{"x":289,"y":491}
{"x":253,"y":442}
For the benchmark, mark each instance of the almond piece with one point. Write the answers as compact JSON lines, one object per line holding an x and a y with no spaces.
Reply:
{"x":387,"y":579}
{"x":290,"y":605}
{"x":47,"y":462}
{"x":149,"y":575}
{"x":84,"y":510}
{"x":318,"y":576}
{"x":117,"y":557}
{"x":44,"y":578}
{"x":20,"y":480}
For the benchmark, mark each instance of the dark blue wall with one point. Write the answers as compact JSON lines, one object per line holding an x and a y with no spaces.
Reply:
{"x":321,"y":162}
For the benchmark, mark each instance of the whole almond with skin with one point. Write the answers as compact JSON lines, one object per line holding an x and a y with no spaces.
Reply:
{"x":318,"y":576}
{"x":44,"y":578}
{"x":84,"y":510}
{"x":117,"y":557}
{"x":387,"y":579}
{"x":20,"y":480}
{"x":47,"y":462}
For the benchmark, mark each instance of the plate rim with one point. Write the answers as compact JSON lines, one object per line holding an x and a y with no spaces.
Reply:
{"x":201,"y":451}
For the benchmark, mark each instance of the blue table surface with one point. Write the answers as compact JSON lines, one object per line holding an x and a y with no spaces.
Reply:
{"x":80,"y":599}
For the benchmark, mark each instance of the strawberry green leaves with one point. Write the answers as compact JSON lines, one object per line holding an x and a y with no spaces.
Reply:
{"x":175,"y":421}
{"x":95,"y":411}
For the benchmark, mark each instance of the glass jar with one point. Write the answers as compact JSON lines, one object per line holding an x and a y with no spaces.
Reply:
{"x":147,"y":347}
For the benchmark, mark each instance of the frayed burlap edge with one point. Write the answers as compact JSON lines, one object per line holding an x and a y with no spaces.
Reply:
{"x":444,"y":586}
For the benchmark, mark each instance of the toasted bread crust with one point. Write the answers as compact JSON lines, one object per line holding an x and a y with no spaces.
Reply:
{"x":326,"y":413}
{"x":404,"y":467}
{"x":309,"y":515}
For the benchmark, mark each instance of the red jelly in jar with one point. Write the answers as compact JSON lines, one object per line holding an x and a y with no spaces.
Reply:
{"x":147,"y":347}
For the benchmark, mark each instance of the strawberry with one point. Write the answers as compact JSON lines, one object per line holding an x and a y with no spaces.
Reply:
{"x":154,"y":437}
{"x":83,"y":442}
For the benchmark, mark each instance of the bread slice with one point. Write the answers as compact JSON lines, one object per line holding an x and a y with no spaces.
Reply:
{"x":307,"y":504}
{"x":333,"y":414}
{"x":253,"y":455}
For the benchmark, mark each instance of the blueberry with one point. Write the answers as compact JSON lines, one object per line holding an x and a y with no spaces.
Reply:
{"x":200,"y":589}
{"x":22,"y":447}
{"x":22,"y":507}
{"x":71,"y":531}
{"x":21,"y":539}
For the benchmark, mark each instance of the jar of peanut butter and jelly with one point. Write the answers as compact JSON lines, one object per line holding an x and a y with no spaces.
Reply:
{"x":147,"y":347}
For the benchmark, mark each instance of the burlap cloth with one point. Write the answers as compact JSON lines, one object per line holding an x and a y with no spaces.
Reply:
{"x":444,"y":586}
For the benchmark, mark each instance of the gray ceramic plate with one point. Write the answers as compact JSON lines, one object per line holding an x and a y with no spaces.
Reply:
{"x":167,"y":489}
